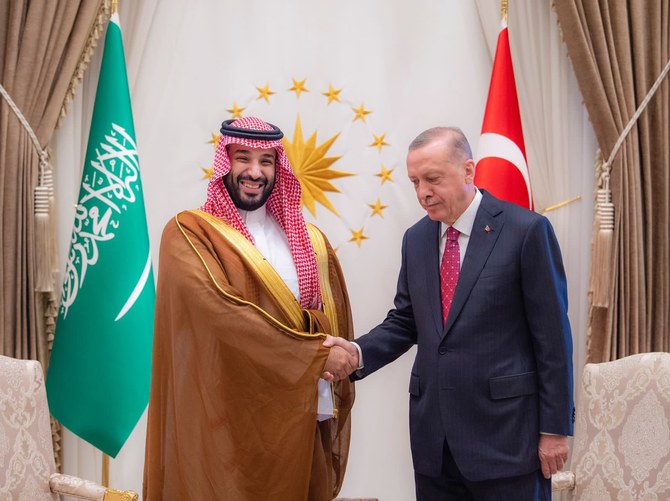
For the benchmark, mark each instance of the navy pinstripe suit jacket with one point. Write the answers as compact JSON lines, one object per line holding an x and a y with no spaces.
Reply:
{"x":500,"y":371}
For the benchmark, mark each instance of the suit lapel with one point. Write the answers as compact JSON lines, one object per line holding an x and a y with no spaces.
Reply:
{"x":432,"y":270}
{"x":485,"y":232}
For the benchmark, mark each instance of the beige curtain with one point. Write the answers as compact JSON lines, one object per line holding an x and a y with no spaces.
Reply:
{"x":44,"y":49}
{"x":619,"y":48}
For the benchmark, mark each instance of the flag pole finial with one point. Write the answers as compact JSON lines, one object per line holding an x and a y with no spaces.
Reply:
{"x":503,"y":10}
{"x":115,"y":6}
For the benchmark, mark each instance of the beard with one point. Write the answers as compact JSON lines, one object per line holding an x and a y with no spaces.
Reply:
{"x":246,"y":201}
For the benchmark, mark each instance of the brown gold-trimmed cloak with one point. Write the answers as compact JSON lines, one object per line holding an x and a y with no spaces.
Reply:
{"x":232,"y":412}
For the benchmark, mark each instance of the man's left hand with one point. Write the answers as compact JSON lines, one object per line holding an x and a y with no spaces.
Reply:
{"x":553,"y":451}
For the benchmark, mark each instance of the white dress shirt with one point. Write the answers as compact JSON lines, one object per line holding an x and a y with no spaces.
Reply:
{"x":464,"y":225}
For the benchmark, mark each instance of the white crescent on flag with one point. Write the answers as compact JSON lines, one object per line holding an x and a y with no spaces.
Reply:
{"x":499,"y":146}
{"x":504,"y":171}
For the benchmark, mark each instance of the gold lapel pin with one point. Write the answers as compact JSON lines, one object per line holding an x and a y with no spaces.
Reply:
{"x":487,"y":228}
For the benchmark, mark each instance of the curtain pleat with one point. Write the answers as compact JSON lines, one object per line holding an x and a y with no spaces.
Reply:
{"x":44,"y":46}
{"x":618,"y":49}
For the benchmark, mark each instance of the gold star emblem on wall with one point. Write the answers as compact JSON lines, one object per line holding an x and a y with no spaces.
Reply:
{"x":312,"y":168}
{"x":385,"y":174}
{"x":379,"y":141}
{"x":215,"y":139}
{"x":357,"y":236}
{"x":235,"y":111}
{"x":332,"y":94}
{"x":299,"y":86}
{"x":361,"y":112}
{"x":209,"y":172}
{"x":314,"y":163}
{"x":377,"y":208}
{"x":264,"y":92}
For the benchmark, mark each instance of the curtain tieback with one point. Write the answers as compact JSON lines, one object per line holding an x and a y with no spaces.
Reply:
{"x":43,"y":198}
{"x":604,"y":205}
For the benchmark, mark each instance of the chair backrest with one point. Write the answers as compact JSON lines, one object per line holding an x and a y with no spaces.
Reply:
{"x":621,"y":447}
{"x":26,"y":450}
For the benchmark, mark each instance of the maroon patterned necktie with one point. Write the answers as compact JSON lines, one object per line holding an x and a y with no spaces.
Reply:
{"x":449,"y":270}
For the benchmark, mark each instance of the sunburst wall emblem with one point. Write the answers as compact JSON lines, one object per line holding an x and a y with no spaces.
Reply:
{"x":312,"y":167}
{"x":361,"y":153}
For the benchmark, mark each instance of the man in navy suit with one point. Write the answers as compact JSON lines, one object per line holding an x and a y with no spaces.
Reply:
{"x":491,"y":387}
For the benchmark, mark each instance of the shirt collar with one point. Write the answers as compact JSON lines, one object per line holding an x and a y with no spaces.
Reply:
{"x":254,"y":217}
{"x":466,"y":221}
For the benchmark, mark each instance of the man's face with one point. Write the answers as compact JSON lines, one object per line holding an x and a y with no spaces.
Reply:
{"x":251,"y":177}
{"x":442,"y":181}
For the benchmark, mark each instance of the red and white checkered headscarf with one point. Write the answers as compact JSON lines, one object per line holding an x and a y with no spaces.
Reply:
{"x":283,"y":203}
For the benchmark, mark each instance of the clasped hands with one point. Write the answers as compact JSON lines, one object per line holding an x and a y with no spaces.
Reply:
{"x":342,"y":359}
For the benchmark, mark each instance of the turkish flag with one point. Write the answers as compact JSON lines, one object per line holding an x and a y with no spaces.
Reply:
{"x":501,"y":161}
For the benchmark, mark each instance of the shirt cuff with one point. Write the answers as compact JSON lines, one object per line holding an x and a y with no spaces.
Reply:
{"x":360,"y":356}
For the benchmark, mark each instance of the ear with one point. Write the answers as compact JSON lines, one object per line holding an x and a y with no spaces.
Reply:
{"x":469,"y":171}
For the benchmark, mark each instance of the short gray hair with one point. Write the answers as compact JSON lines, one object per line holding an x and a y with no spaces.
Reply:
{"x":454,"y":136}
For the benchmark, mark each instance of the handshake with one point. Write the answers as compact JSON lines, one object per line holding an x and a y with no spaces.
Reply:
{"x":342,"y":360}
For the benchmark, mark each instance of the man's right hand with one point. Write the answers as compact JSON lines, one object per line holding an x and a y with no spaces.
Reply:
{"x":342,"y":360}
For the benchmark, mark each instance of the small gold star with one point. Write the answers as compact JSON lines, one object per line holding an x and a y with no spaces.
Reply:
{"x":332,"y":94}
{"x":209,"y":172}
{"x":361,"y":112}
{"x":299,"y":86}
{"x":235,"y":111}
{"x":357,"y":236}
{"x":264,"y":92}
{"x":385,"y":174}
{"x":377,"y":208}
{"x":215,"y":139}
{"x":379,"y":142}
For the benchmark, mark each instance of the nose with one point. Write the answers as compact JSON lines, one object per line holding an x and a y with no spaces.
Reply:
{"x":254,"y":169}
{"x":423,"y":192}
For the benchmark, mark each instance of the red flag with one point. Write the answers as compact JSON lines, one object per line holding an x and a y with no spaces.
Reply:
{"x":501,"y":166}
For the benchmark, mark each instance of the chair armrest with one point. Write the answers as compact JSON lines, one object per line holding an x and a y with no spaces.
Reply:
{"x":68,"y":485}
{"x":563,"y":481}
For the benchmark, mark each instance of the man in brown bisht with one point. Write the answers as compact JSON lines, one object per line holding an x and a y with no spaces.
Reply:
{"x":247,"y":294}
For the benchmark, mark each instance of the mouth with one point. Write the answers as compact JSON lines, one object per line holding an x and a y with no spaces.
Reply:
{"x":251,"y":187}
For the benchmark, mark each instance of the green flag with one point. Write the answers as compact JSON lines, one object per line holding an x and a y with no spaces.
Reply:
{"x":100,"y":368}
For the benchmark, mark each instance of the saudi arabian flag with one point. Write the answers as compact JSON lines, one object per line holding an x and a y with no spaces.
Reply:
{"x":100,"y":368}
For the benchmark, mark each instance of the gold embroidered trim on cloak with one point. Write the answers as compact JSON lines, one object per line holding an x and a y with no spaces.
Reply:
{"x":291,"y":306}
{"x":321,"y":251}
{"x":327,"y":297}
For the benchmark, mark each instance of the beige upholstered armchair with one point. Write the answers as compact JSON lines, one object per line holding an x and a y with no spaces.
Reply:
{"x":27,"y":468}
{"x":621,"y":447}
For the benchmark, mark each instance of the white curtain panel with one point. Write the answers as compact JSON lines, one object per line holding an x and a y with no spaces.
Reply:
{"x":413,"y":65}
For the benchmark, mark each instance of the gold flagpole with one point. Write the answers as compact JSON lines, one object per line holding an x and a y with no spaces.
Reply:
{"x":503,"y":10}
{"x":105,"y":470}
{"x":560,"y":204}
{"x":105,"y":457}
